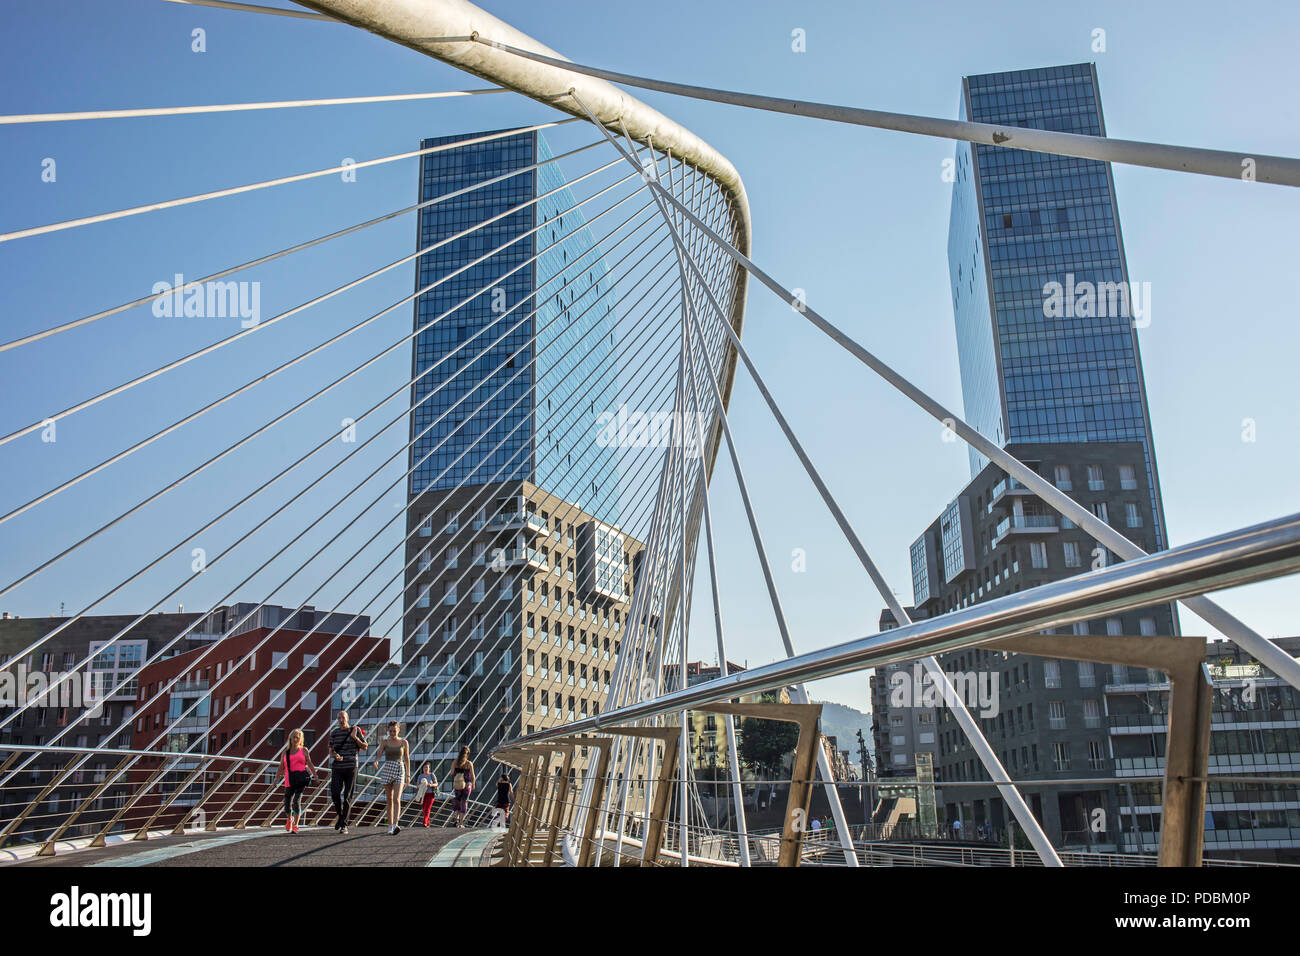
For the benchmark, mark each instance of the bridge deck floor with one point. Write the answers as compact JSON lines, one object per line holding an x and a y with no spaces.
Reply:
{"x":318,"y":847}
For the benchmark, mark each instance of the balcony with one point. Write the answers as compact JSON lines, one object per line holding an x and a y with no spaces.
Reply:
{"x":1008,"y":487}
{"x":517,"y":521}
{"x":529,"y":556}
{"x":1036,"y":525}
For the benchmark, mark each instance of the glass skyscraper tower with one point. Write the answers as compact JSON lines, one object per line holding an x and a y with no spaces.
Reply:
{"x":525,"y":348}
{"x":1060,"y":388}
{"x":512,"y":552}
{"x":1021,"y":221}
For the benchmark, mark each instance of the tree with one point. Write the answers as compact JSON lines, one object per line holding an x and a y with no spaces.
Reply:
{"x":764,"y":744}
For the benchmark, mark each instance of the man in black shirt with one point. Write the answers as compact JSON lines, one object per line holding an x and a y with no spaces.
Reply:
{"x":344,"y":743}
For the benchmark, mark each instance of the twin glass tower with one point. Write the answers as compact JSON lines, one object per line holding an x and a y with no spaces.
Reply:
{"x":520,"y":352}
{"x":1021,"y":222}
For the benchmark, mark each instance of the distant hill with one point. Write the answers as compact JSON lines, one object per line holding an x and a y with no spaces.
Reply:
{"x":842,"y":722}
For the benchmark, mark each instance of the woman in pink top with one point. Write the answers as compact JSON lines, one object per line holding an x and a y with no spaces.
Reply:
{"x":298,"y":772}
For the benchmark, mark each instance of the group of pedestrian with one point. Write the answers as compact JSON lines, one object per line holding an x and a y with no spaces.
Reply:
{"x":984,"y":832}
{"x":392,"y":760}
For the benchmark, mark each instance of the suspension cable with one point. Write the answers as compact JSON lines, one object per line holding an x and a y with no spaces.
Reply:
{"x":251,"y":187}
{"x":271,"y":257}
{"x":16,"y":118}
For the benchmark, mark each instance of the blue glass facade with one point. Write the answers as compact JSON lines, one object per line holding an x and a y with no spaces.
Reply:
{"x":1021,"y":220}
{"x":541,"y":379}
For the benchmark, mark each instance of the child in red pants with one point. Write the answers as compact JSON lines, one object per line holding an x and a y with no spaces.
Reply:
{"x":427,"y":786}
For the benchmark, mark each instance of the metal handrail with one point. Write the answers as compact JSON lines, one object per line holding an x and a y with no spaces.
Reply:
{"x":1260,"y":552}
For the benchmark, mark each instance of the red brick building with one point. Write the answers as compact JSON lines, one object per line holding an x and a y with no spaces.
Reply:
{"x":222,"y":704}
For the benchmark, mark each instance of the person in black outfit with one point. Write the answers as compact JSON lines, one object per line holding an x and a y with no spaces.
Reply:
{"x":505,"y":797}
{"x":344,"y":743}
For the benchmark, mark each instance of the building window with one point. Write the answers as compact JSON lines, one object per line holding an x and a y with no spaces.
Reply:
{"x":1087,"y":676}
{"x":1073,"y":558}
{"x":1038,"y":554}
{"x":1091,"y":713}
{"x":1056,"y":714}
{"x":1051,"y":673}
{"x":1132,"y":517}
{"x":1062,"y":476}
{"x":1128,"y":477}
{"x":1061,"y":755}
{"x":1095,"y":480}
{"x":1096,"y":756}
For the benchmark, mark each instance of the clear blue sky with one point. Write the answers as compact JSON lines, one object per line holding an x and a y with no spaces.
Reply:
{"x":858,"y":218}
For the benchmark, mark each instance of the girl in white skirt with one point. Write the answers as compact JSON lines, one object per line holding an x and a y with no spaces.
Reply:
{"x":394,"y":771}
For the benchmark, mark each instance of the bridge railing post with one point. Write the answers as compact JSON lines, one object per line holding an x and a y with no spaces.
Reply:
{"x":523,"y":802}
{"x":558,"y":803}
{"x":798,"y":801}
{"x":1191,"y":694}
{"x":597,"y":797}
{"x":536,"y":805}
{"x":533,"y":763}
